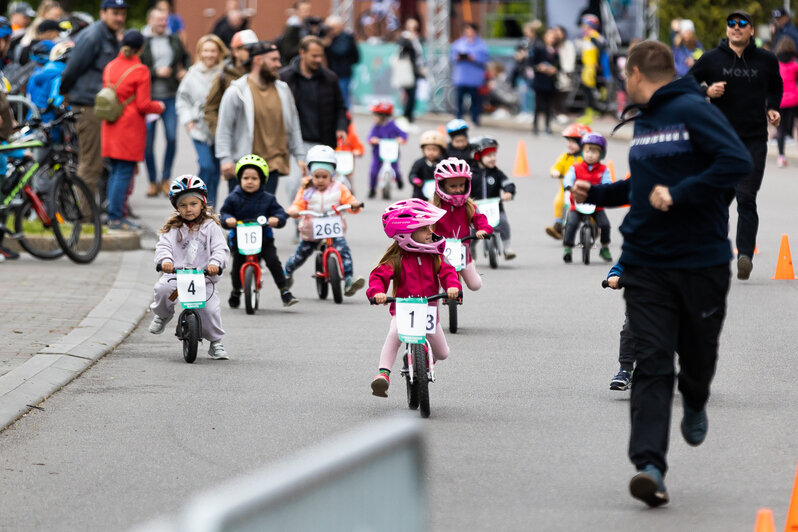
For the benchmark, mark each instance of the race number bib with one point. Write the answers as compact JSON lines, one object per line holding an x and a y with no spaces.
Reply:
{"x":191,"y":288}
{"x":428,"y":189}
{"x":411,"y":319}
{"x":345,"y":162}
{"x":432,"y":319}
{"x":490,"y":208}
{"x":250,"y":238}
{"x":389,"y":150}
{"x":329,"y":227}
{"x":455,"y":253}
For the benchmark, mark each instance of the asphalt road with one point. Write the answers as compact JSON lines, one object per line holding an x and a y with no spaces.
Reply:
{"x":524,"y":433}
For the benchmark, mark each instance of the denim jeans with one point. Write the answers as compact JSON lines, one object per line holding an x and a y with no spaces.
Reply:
{"x":118,"y":183}
{"x":169,"y":117}
{"x":344,"y":84}
{"x":209,"y":170}
{"x":306,"y":248}
{"x":475,"y":105}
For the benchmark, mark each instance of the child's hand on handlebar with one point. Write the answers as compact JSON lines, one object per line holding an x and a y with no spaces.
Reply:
{"x":212,"y":269}
{"x":480,"y":235}
{"x":230,"y":222}
{"x":380,"y":298}
{"x":167,"y":267}
{"x":452,"y":293}
{"x":273,"y":221}
{"x":292,"y":211}
{"x":613,"y":282}
{"x":507,"y":196}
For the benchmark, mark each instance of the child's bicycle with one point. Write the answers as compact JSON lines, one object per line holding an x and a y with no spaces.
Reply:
{"x":249,"y":237}
{"x":191,"y":291}
{"x":491,"y":248}
{"x":588,"y":230}
{"x":418,"y":361}
{"x":329,"y":265}
{"x":388,"y":152}
{"x":455,"y":254}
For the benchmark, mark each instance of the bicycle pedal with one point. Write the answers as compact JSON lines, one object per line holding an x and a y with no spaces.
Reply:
{"x":404,"y":371}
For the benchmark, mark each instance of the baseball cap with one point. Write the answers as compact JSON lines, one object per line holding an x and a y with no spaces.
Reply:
{"x":247,"y":37}
{"x":740,"y":14}
{"x":262,"y":47}
{"x":134,"y":39}
{"x":22,"y":8}
{"x":780,"y":12}
{"x":48,"y":25}
{"x":114,"y":4}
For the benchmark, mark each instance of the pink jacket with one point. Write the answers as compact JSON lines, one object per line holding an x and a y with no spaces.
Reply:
{"x":417,"y":278}
{"x":196,"y":249}
{"x":789,"y":76}
{"x":455,"y":224}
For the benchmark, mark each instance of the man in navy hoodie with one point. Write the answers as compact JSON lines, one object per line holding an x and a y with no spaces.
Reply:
{"x":743,"y":81}
{"x":676,"y":252}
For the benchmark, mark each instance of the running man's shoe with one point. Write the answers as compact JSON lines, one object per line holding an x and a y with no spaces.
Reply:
{"x":621,"y":381}
{"x":555,"y":231}
{"x":159,"y":324}
{"x":379,"y":386}
{"x":567,"y":255}
{"x":288,"y":299}
{"x":694,"y":425}
{"x":8,"y":254}
{"x":217,"y":351}
{"x":605,"y":254}
{"x":649,"y":486}
{"x":744,"y":267}
{"x":235,"y":299}
{"x":353,"y":285}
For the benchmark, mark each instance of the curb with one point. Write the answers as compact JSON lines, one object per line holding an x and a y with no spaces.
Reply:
{"x":111,"y":241}
{"x":101,"y":331}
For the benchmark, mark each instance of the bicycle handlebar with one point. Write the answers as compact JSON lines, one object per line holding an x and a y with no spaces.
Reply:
{"x":260,"y":220}
{"x":332,"y":212}
{"x":472,"y":237}
{"x":159,"y":269}
{"x":606,"y":284}
{"x":373,"y":301}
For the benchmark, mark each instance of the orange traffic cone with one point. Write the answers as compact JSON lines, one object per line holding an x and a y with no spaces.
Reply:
{"x":442,"y":130}
{"x":792,"y":512}
{"x":521,"y":166}
{"x":784,"y":271}
{"x":764,"y":521}
{"x":611,"y":168}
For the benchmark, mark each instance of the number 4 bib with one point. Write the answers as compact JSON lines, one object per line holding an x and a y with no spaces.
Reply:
{"x":191,"y":288}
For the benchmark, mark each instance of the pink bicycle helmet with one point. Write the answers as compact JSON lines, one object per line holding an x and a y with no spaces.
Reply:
{"x":403,"y":217}
{"x":448,"y":169}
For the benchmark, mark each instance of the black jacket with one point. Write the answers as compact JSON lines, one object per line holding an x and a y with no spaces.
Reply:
{"x":82,"y":78}
{"x":465,"y":154}
{"x":342,"y":54}
{"x":327,"y":106}
{"x":244,"y":206}
{"x":685,"y":144}
{"x":490,"y":183}
{"x":425,"y":171}
{"x":753,"y":85}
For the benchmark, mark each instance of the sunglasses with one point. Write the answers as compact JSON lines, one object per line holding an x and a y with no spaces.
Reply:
{"x":735,"y":23}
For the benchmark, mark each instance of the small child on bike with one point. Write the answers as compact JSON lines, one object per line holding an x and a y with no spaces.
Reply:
{"x":247,"y":202}
{"x":452,"y":189}
{"x":433,"y":144}
{"x":383,"y":128}
{"x":594,"y":149}
{"x":413,"y":263}
{"x":490,"y":182}
{"x":626,"y":353}
{"x":191,"y":238}
{"x":320,"y":194}
{"x":573,"y":136}
{"x":459,"y":146}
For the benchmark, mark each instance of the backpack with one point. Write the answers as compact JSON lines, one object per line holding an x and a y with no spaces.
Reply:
{"x":106,"y":102}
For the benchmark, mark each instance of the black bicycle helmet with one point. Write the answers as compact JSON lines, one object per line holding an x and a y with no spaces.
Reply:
{"x":484,"y":145}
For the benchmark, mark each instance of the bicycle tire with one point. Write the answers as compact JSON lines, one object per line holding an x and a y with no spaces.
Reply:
{"x":452,"y":316}
{"x":76,"y":219}
{"x":420,"y":380}
{"x":387,"y":178}
{"x":321,"y":283}
{"x":190,"y":335}
{"x":493,"y":252}
{"x":585,"y":238}
{"x":412,"y":392}
{"x":31,"y":230}
{"x":334,"y":273}
{"x":250,"y":291}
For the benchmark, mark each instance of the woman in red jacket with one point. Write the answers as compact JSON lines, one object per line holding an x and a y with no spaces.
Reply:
{"x":123,"y":141}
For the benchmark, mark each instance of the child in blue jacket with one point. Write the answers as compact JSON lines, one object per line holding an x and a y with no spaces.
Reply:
{"x":247,"y":202}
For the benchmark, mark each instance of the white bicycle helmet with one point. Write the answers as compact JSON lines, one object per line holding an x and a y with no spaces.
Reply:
{"x":321,"y":155}
{"x":187,"y":184}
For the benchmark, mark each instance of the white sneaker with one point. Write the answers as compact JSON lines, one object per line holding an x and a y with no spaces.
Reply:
{"x":217,"y":351}
{"x":159,"y":324}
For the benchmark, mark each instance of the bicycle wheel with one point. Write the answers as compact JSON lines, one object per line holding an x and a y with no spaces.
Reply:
{"x":585,"y":239}
{"x":321,"y":282}
{"x":334,"y":273}
{"x":452,"y":315}
{"x":76,"y":219}
{"x":412,"y":391}
{"x":420,"y":381}
{"x":250,"y":291}
{"x":33,"y":235}
{"x":190,"y":334}
{"x":493,"y":252}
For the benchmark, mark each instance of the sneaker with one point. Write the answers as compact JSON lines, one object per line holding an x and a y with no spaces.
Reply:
{"x":235,"y":299}
{"x":555,"y":231}
{"x":605,"y":254}
{"x":8,"y":254}
{"x":158,"y":324}
{"x":154,"y":190}
{"x":353,"y":286}
{"x":379,"y":386}
{"x":217,"y":351}
{"x":400,"y":184}
{"x":621,"y":381}
{"x":372,"y":193}
{"x":648,"y":486}
{"x":694,"y":425}
{"x":123,"y":224}
{"x":288,"y":299}
{"x":782,"y":161}
{"x":289,"y":281}
{"x":567,"y":255}
{"x":509,"y":254}
{"x":744,"y":267}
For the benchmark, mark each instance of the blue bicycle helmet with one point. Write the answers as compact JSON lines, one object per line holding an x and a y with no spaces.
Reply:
{"x":185,"y":184}
{"x":40,"y":52}
{"x":458,"y":126}
{"x":5,"y":28}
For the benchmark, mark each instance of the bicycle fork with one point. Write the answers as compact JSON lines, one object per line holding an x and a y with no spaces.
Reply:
{"x":430,"y":361}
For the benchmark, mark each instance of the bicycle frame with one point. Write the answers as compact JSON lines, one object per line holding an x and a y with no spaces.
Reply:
{"x":430,"y":361}
{"x":252,"y":261}
{"x":327,"y":250}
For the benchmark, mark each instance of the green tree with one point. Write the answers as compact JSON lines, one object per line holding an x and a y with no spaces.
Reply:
{"x":709,"y":16}
{"x":136,"y":18}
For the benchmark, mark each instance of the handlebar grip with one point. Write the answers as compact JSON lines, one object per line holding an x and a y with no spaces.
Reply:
{"x":605,"y":284}
{"x":158,"y":268}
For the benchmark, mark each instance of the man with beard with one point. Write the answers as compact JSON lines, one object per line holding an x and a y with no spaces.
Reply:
{"x":258,"y":115}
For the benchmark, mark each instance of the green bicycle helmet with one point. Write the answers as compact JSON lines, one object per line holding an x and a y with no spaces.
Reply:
{"x":255,"y":161}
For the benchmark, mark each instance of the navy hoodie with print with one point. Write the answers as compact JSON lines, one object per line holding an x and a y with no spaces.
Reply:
{"x":248,"y":206}
{"x":686,"y":144}
{"x":753,"y":85}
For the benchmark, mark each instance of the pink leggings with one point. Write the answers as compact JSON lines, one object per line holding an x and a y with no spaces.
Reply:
{"x":440,"y":349}
{"x":472,"y":279}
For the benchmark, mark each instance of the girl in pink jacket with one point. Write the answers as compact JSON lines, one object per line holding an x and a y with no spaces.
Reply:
{"x":452,"y":190}
{"x":191,"y":238}
{"x":788,"y":69}
{"x":415,"y":265}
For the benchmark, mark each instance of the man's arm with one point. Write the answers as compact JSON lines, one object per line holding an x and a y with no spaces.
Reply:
{"x":81,"y":58}
{"x":612,"y":195}
{"x":775,"y":84}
